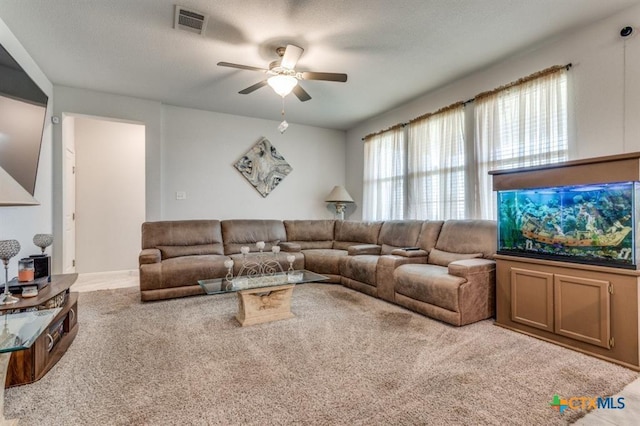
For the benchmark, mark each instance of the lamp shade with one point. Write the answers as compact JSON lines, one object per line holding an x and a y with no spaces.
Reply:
{"x":43,"y":240}
{"x":339,"y":195}
{"x":282,"y":84}
{"x":8,"y":249}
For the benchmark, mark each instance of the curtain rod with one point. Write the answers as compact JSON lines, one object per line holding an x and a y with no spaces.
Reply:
{"x":480,"y":95}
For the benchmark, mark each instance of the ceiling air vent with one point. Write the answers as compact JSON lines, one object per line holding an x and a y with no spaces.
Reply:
{"x":190,"y":20}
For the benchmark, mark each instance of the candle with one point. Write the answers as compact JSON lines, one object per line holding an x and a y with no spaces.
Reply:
{"x":275,"y":249}
{"x":291,"y":258}
{"x":228,"y":264}
{"x":260,"y":245}
{"x":244,"y":250}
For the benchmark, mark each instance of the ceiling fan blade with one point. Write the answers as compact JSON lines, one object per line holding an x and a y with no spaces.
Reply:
{"x":326,"y":76}
{"x":291,"y":55}
{"x":253,"y":88}
{"x":242,"y":67}
{"x":301,"y":93}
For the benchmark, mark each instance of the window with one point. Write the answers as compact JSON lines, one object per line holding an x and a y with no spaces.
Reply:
{"x":436,"y":170}
{"x":384,"y":186}
{"x":436,"y":166}
{"x":525,"y":125}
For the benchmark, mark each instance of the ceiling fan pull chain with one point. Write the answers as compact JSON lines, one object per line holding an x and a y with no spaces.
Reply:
{"x":283,"y":125}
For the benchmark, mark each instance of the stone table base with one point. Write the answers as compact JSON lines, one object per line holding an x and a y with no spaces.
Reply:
{"x":259,"y":305}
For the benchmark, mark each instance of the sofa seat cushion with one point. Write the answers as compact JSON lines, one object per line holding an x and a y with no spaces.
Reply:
{"x":360,"y":268}
{"x":187,"y":270}
{"x":430,"y":284}
{"x":323,"y":261}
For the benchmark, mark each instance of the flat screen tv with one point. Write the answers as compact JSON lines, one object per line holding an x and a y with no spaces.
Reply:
{"x":23,"y":107}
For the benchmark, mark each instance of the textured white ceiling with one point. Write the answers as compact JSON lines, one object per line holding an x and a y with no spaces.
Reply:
{"x":393,"y":51}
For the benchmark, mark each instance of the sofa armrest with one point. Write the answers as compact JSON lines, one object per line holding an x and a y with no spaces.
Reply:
{"x":477,"y":295}
{"x":409,"y":253}
{"x":467,"y":267}
{"x":364,"y":249}
{"x":384,"y":272}
{"x":290,"y":247}
{"x":148,"y":256}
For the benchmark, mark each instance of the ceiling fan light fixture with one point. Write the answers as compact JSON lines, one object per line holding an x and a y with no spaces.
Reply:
{"x":282,"y":84}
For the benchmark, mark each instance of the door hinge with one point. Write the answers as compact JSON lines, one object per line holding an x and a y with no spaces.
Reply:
{"x":612,"y":342}
{"x":73,"y":170}
{"x":73,"y":216}
{"x":73,"y":263}
{"x":610,"y":288}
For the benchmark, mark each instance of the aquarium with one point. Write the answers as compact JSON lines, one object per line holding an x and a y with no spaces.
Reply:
{"x":592,"y":224}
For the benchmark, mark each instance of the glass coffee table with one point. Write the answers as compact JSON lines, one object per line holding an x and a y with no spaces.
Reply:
{"x":262,"y":298}
{"x":18,"y":332}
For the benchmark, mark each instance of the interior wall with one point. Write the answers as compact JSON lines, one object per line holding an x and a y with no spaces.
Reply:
{"x":604,"y":92}
{"x":23,"y":222}
{"x":200,"y":149}
{"x":110,"y":194}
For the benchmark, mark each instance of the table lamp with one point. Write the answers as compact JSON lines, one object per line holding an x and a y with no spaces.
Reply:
{"x":340,"y":197}
{"x":8,"y":249}
{"x":42,"y":261}
{"x":43,"y":241}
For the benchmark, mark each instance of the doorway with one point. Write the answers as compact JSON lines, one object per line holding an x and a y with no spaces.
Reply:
{"x":104,"y":194}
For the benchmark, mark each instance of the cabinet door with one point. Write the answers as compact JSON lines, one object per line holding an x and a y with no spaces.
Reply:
{"x":532,"y":298}
{"x":582,"y":309}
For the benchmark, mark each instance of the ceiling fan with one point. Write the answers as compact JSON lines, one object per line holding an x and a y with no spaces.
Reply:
{"x":283,"y":77}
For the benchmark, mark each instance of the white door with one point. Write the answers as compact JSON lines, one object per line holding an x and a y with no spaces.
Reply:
{"x":68,"y":209}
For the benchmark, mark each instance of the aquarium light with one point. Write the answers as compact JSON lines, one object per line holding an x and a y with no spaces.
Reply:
{"x":587,"y":189}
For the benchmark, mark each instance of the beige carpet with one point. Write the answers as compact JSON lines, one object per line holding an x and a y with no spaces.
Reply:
{"x":345,"y":358}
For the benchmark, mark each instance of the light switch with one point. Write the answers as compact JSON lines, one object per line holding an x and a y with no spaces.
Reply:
{"x":181,"y":195}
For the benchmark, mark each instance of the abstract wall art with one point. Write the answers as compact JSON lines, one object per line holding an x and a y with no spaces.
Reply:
{"x":263,"y":166}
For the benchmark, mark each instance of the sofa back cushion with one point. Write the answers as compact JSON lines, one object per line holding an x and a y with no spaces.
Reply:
{"x":399,"y":233}
{"x":310,"y":234}
{"x":247,"y":232}
{"x":183,"y":237}
{"x":429,"y":234}
{"x":349,"y":233}
{"x":468,"y":237}
{"x":444,"y":258}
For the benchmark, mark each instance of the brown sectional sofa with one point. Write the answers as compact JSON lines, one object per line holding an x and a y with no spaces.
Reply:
{"x":442,"y":269}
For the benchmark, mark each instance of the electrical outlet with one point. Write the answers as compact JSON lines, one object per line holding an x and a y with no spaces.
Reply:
{"x":181,"y":195}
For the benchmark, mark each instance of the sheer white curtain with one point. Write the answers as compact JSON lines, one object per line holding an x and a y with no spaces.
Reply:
{"x":436,"y":165}
{"x":385,"y":168}
{"x":523,"y":125}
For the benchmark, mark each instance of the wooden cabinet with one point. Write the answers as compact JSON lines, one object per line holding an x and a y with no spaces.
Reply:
{"x":592,"y":309}
{"x":32,"y":364}
{"x":568,"y":305}
{"x":539,"y":290}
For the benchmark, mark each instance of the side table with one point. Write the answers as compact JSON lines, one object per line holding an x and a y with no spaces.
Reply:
{"x":31,"y":364}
